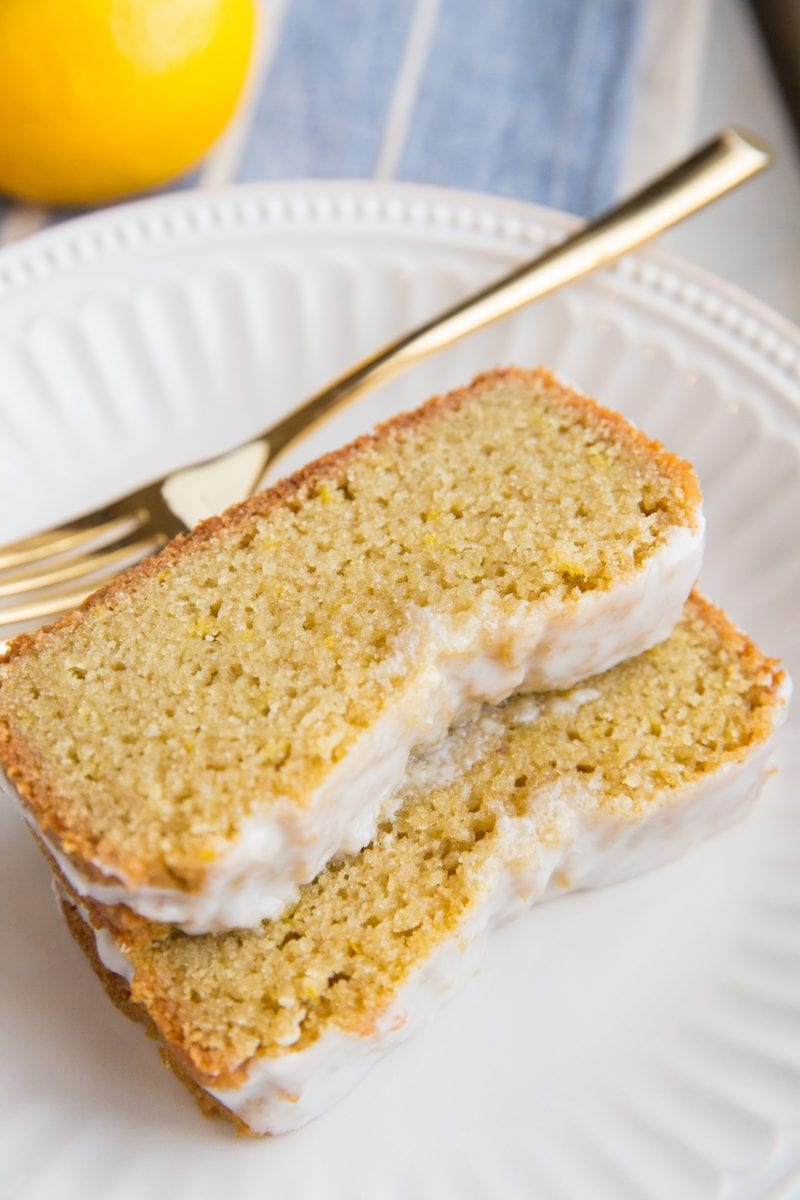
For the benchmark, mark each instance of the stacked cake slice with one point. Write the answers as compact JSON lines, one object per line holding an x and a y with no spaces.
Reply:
{"x":281,"y":819}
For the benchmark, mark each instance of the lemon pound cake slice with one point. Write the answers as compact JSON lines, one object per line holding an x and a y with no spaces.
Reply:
{"x":212,"y":728}
{"x":542,"y":795}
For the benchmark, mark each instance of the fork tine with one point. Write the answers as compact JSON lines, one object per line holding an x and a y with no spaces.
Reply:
{"x":74,"y":568}
{"x":49,"y":604}
{"x":58,"y":541}
{"x":48,"y":607}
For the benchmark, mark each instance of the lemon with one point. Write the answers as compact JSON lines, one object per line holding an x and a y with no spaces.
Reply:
{"x":102,"y":98}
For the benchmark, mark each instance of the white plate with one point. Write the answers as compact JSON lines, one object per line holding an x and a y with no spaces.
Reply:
{"x":638,"y":1042}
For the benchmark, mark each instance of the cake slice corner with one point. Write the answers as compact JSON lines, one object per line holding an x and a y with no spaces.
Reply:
{"x":542,"y":795}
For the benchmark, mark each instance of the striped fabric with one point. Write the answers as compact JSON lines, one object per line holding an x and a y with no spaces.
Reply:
{"x":525,"y":98}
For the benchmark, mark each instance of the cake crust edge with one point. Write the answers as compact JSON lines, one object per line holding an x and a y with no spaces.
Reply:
{"x":39,"y":793}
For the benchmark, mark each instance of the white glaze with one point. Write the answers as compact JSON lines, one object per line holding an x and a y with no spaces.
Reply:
{"x":284,"y":1093}
{"x":565,"y":844}
{"x":484,"y":660}
{"x":107,"y":950}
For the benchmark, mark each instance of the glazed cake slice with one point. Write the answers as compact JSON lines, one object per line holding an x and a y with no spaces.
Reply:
{"x":542,"y":795}
{"x":212,"y":728}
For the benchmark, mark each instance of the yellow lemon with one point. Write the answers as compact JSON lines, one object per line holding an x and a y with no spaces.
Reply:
{"x":101,"y":98}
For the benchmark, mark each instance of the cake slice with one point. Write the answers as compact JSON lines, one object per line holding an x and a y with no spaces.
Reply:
{"x":207,"y":732}
{"x":542,"y":795}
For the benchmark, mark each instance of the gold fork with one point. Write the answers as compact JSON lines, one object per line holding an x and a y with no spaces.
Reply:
{"x":34,"y":572}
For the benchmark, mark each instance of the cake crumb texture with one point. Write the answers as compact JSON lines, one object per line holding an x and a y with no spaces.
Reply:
{"x":241,"y":664}
{"x":629,"y":739}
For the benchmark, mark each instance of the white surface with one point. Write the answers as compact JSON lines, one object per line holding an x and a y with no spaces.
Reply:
{"x":751,"y":238}
{"x":643,"y":1041}
{"x":672,"y":55}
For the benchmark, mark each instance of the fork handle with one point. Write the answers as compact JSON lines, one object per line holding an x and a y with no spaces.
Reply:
{"x":729,"y":159}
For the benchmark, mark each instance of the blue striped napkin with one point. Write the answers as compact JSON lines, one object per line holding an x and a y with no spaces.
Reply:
{"x":525,"y":98}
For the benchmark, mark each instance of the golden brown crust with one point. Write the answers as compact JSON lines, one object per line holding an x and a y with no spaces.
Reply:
{"x":328,"y":465}
{"x":31,"y":775}
{"x":767,"y":673}
{"x":119,"y":993}
{"x":116,"y":918}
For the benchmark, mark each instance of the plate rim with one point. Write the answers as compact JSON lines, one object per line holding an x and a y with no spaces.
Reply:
{"x":771,"y":339}
{"x":652,"y":269}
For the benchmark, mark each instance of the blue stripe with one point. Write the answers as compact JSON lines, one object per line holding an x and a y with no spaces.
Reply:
{"x":527,"y":98}
{"x":324,"y":103}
